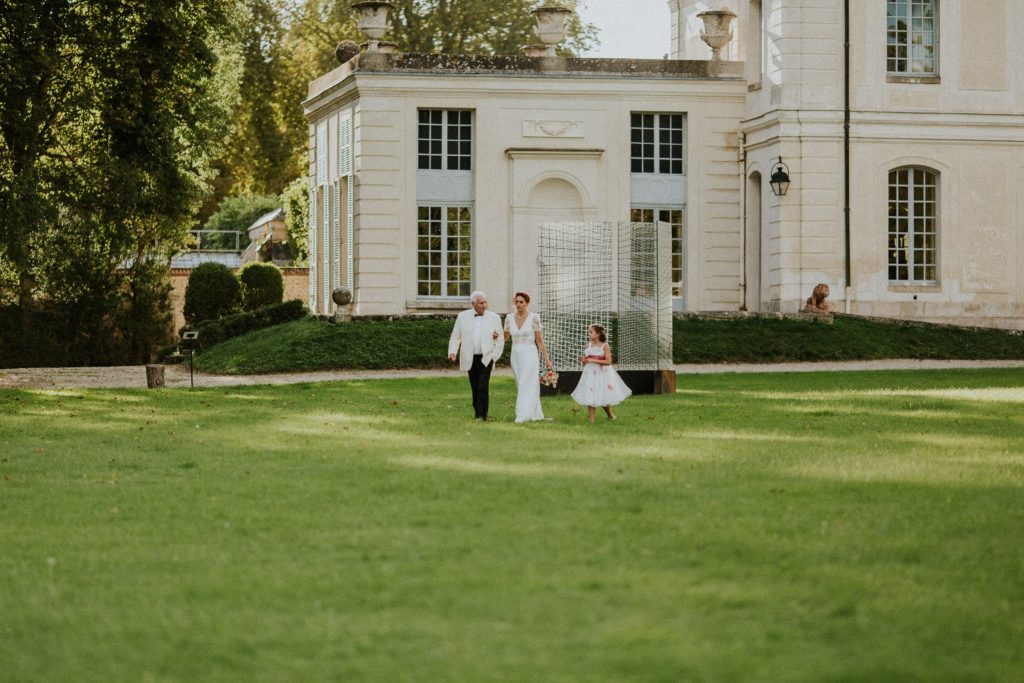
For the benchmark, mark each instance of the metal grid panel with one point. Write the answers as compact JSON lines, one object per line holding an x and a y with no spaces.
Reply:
{"x":577,"y":288}
{"x":616,"y":274}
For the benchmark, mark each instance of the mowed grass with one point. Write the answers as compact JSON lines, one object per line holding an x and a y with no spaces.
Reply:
{"x":826,"y":527}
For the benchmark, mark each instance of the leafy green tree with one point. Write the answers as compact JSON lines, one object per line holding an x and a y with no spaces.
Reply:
{"x":238,"y":213}
{"x":295,"y":199}
{"x":110,"y":117}
{"x":259,"y":157}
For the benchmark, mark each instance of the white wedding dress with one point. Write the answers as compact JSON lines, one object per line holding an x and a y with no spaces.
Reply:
{"x":526,"y":366}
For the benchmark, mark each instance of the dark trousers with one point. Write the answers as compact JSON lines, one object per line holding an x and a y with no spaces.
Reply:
{"x":480,"y":383}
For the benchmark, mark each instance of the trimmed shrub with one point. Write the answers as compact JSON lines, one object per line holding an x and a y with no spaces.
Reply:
{"x":213,"y":291}
{"x":262,"y":285}
{"x":216,"y":331}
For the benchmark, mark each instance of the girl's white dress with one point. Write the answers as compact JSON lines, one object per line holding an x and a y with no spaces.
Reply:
{"x":526,"y":366}
{"x":600,"y":385}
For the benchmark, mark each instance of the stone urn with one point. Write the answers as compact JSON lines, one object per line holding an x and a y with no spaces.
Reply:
{"x":342,"y":298}
{"x":716,"y":33}
{"x":552,"y":28}
{"x":372,"y":20}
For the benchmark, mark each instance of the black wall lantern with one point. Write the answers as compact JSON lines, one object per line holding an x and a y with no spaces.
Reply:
{"x":780,"y":179}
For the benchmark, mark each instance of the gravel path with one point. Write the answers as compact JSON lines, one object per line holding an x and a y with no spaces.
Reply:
{"x":177,"y":375}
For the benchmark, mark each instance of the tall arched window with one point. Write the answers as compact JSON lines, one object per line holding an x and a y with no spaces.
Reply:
{"x":913,"y":225}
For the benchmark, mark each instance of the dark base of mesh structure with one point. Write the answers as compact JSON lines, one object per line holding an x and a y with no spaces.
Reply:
{"x":640,"y":381}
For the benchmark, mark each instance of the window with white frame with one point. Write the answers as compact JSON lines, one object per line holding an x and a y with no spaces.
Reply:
{"x":445,"y":140}
{"x":912,"y":37}
{"x":444,"y":247}
{"x":913,"y":225}
{"x":755,"y":43}
{"x":673,"y":217}
{"x":656,"y":143}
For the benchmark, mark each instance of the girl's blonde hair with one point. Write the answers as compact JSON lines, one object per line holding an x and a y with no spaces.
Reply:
{"x":602,"y":334}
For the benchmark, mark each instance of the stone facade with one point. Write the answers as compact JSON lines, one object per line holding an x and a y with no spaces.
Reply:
{"x":551,"y":140}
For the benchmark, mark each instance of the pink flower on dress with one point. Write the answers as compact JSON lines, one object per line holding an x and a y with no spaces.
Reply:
{"x":609,"y":386}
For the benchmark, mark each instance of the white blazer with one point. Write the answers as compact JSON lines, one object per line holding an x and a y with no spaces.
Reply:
{"x":492,"y":348}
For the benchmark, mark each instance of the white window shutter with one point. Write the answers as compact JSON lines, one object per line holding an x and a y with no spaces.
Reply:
{"x":346,"y":170}
{"x":335,"y":235}
{"x":312,"y":250}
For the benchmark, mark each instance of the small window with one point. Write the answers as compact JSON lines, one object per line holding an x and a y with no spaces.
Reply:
{"x":656,"y":143}
{"x":444,"y":251}
{"x":912,"y":38}
{"x":913,"y":226}
{"x":673,"y":217}
{"x":445,"y":140}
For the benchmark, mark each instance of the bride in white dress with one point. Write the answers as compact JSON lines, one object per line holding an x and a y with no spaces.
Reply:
{"x":524,"y":329}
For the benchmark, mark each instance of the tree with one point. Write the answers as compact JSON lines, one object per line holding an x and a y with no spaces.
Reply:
{"x":295,"y":200}
{"x":108,"y":125}
{"x":237,"y":214}
{"x":259,"y":156}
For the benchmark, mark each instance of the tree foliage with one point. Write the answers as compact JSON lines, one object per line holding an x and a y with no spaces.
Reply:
{"x":212,"y":291}
{"x":262,"y":285}
{"x":237,"y":214}
{"x":110,"y":116}
{"x":295,"y":199}
{"x":308,"y":31}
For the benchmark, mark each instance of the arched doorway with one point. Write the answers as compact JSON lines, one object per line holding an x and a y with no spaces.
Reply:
{"x":551,"y":199}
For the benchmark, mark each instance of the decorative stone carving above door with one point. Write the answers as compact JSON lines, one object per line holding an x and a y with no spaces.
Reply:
{"x":553,"y":129}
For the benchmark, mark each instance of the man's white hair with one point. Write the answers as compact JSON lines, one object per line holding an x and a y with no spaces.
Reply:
{"x":476,"y":296}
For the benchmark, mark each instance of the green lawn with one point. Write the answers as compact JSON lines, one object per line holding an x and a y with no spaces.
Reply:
{"x":825,"y":527}
{"x":310,"y":344}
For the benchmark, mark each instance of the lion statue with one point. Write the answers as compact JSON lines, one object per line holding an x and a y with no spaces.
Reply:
{"x":817,"y":303}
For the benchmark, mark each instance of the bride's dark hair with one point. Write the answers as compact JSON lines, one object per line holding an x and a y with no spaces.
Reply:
{"x":526,"y":297}
{"x":601,"y":333}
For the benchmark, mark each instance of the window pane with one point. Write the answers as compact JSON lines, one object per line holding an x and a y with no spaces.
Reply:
{"x":912,"y":241}
{"x":911,"y":37}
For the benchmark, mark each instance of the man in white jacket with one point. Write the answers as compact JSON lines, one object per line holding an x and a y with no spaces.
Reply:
{"x":479,"y":334}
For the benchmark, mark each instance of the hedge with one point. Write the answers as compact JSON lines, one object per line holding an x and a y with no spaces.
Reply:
{"x":212,"y":291}
{"x":215,"y":331}
{"x":262,"y":285}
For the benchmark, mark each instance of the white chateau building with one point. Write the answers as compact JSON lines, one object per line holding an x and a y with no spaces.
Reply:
{"x":430,"y":173}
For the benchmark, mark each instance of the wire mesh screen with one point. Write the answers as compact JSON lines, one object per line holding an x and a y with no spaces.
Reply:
{"x":616,"y":274}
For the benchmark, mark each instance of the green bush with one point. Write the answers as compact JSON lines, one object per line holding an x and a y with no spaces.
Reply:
{"x":215,"y":331}
{"x":262,"y":285}
{"x":213,"y":291}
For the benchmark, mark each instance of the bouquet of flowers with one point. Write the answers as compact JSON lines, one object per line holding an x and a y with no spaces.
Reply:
{"x":549,"y":378}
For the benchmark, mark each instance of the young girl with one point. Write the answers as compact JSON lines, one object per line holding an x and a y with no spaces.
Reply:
{"x":599,"y":385}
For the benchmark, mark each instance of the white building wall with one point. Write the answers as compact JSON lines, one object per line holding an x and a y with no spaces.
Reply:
{"x":517,"y":167}
{"x":967,"y":124}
